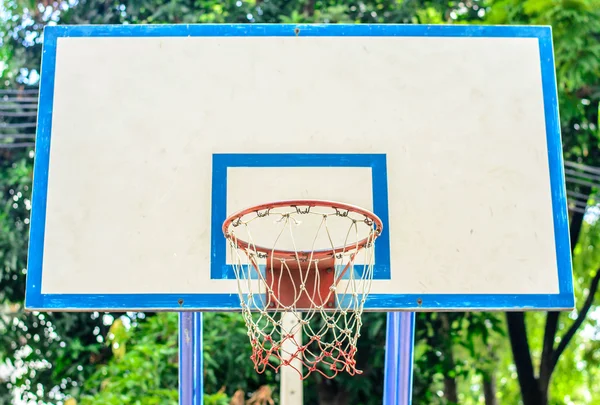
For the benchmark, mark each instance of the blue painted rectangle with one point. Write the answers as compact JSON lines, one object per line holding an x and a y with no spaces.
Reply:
{"x":36,"y":300}
{"x":221,"y":162}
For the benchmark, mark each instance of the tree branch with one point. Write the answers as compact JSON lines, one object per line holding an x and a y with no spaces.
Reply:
{"x":549,"y":354}
{"x":489,"y":389}
{"x":450,"y":384}
{"x":577,"y":221}
{"x":547,"y":358}
{"x":522,"y":356}
{"x":580,"y":318}
{"x":309,"y":8}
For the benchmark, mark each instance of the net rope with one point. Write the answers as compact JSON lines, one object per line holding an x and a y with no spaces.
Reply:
{"x":326,"y":317}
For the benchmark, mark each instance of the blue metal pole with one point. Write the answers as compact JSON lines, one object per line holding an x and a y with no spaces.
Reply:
{"x":198,"y":363}
{"x":186,"y":358}
{"x":399,"y":358}
{"x":391,"y":360}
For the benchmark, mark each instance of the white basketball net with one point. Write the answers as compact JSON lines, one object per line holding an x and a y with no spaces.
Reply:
{"x":320,"y":281}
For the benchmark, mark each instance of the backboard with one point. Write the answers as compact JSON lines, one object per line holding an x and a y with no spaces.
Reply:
{"x":150,"y":136}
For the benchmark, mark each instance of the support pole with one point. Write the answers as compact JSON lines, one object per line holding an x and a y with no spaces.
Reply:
{"x":290,"y":386}
{"x":400,"y":337}
{"x":186,"y":358}
{"x":198,"y":363}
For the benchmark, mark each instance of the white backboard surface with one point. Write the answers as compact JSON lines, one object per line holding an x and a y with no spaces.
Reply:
{"x":149,"y":136}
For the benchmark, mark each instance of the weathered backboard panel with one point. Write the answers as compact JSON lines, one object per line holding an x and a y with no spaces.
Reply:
{"x":149,"y":136}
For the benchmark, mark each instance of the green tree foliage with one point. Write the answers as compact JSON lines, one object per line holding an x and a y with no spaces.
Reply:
{"x":459,"y":356}
{"x":143,"y":369}
{"x":227,"y":356}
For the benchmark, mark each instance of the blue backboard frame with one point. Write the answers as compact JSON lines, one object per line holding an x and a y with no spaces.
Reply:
{"x":35,"y":299}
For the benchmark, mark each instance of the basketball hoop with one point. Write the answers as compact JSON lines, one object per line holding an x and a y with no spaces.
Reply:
{"x":310,"y":258}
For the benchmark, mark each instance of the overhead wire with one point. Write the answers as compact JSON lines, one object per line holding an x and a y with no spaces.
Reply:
{"x":18,"y":111}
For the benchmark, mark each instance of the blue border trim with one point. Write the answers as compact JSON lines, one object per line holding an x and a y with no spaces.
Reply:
{"x":310,"y":30}
{"x":375,"y":302}
{"x":221,"y":162}
{"x":36,"y":300}
{"x":556,"y":163}
{"x":33,"y":295}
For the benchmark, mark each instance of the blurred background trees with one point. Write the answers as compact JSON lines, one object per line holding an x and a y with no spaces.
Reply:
{"x":466,"y":358}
